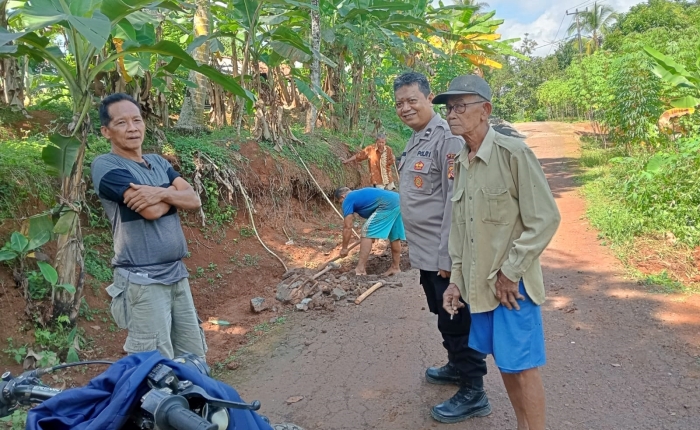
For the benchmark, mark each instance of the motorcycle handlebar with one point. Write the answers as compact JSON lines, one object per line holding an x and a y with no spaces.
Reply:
{"x":181,"y":418}
{"x":11,"y":393}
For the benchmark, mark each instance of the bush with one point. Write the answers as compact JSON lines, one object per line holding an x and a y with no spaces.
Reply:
{"x":649,"y":193}
{"x":540,"y":115}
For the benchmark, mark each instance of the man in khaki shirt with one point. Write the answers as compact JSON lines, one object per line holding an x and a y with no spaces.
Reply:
{"x":381,"y":161}
{"x":503,"y":217}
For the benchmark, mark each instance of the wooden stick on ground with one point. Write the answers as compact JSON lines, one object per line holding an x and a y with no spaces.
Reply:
{"x":319,"y":187}
{"x":372,"y":289}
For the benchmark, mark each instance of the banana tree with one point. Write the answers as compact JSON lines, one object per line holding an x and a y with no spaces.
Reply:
{"x":98,"y":35}
{"x":365,"y":31}
{"x":272,"y":33}
{"x":192,"y":112}
{"x":11,"y":78}
{"x":312,"y":114}
{"x":463,"y":32}
{"x":676,"y":75}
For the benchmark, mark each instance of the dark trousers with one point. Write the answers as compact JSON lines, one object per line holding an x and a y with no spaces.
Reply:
{"x":455,"y":332}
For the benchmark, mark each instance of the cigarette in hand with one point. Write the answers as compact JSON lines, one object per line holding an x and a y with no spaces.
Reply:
{"x":452,"y":314}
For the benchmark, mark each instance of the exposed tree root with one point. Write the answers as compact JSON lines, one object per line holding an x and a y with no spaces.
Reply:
{"x":227,"y":178}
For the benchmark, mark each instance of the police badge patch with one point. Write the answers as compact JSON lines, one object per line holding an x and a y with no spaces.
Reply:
{"x":418,"y":182}
{"x":418,"y":166}
{"x":451,"y":172}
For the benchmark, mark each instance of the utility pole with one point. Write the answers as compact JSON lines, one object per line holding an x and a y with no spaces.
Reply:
{"x":578,"y":28}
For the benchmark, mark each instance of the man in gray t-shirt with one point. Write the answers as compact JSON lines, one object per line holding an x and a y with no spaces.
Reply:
{"x":151,"y":295}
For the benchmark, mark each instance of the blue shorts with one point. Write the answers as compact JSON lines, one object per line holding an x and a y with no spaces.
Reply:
{"x":385,"y":224}
{"x":515,"y":338}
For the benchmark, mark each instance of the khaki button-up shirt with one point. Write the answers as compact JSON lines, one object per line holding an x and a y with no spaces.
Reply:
{"x":380,"y":163}
{"x":426,"y":173}
{"x":503,"y":217}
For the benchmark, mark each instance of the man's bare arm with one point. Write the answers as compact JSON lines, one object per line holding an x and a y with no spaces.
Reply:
{"x":349,"y":160}
{"x":180,"y":194}
{"x":151,"y":212}
{"x":183,"y":197}
{"x":347,"y":231}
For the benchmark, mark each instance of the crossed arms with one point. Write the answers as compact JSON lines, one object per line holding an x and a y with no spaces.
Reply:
{"x":154,"y":202}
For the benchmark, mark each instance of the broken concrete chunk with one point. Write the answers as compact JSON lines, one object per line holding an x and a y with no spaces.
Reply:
{"x":304,"y":305}
{"x":338,"y":293}
{"x":258,"y":304}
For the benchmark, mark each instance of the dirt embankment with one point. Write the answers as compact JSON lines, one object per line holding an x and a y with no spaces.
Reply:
{"x":227,"y":265}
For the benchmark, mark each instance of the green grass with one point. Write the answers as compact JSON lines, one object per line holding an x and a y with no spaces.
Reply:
{"x":632,"y":197}
{"x":23,"y":176}
{"x":97,"y":262}
{"x":664,"y":283}
{"x":217,"y":145}
{"x":644,"y":193}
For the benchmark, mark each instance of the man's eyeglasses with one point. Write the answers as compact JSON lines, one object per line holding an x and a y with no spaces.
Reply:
{"x":458,"y":107}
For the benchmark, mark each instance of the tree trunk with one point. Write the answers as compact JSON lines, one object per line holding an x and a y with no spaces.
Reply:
{"x":244,"y":72}
{"x":10,"y":73}
{"x":282,"y":85}
{"x":192,"y":112}
{"x":69,"y":255}
{"x":354,"y":109}
{"x":333,"y":87}
{"x":161,"y":102}
{"x":230,"y":98}
{"x":269,"y":116}
{"x":312,"y":114}
{"x":217,"y":99}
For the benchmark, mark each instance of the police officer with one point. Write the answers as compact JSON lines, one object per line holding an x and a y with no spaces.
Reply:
{"x":426,"y":173}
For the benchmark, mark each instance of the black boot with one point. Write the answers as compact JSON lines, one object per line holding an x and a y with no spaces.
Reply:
{"x":469,"y":401}
{"x":447,"y":374}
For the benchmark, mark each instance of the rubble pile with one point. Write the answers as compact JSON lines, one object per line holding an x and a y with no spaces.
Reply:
{"x":298,"y":287}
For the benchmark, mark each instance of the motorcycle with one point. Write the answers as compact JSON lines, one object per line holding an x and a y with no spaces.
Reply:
{"x":143,"y":391}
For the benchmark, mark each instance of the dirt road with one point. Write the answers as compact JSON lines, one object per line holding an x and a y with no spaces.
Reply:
{"x":618,"y":356}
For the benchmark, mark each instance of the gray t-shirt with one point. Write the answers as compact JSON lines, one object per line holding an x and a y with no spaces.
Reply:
{"x":152,"y":251}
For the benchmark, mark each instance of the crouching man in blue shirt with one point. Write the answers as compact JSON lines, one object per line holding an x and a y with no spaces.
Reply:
{"x":382,"y":211}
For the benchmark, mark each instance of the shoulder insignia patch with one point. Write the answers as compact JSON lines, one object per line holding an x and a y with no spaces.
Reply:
{"x":451,"y":156}
{"x":418,"y":182}
{"x":418,"y":166}
{"x":451,"y":172}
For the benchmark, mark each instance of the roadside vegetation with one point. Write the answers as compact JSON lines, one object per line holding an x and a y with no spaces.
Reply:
{"x":633,"y":78}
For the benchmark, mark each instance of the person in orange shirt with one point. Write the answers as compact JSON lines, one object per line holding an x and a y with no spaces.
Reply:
{"x":381,"y":159}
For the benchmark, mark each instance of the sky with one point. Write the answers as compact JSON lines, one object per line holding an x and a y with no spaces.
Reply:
{"x":541,"y":18}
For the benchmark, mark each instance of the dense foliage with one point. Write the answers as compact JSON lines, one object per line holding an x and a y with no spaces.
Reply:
{"x":613,"y":84}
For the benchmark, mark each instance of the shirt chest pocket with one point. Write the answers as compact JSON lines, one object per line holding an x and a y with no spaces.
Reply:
{"x":496,"y":204}
{"x":458,"y":209}
{"x":420,"y":178}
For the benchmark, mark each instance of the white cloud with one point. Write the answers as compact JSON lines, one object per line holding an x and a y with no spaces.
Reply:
{"x":541,"y":19}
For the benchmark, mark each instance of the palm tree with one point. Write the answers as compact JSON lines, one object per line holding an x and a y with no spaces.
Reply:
{"x":594,"y":22}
